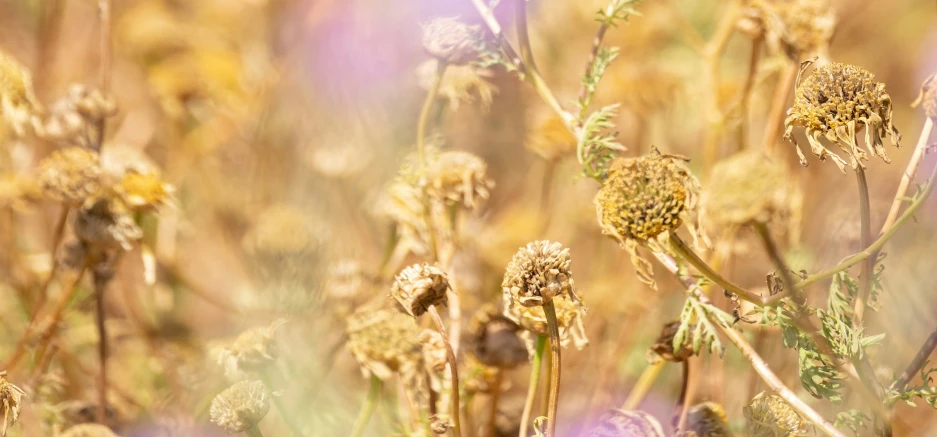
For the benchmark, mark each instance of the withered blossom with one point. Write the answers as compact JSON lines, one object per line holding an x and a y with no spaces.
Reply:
{"x":254,"y":349}
{"x":75,"y":118}
{"x":143,"y":191}
{"x":539,"y":272}
{"x":708,"y":419}
{"x":241,"y":406}
{"x":460,"y":84}
{"x":569,"y":320}
{"x":663,"y":349}
{"x":618,"y":423}
{"x":836,"y":102}
{"x":11,"y":401}
{"x":769,"y":415}
{"x":420,"y":286}
{"x":451,"y":41}
{"x":71,"y":175}
{"x":384,"y":341}
{"x":799,"y":28}
{"x":457,"y":177}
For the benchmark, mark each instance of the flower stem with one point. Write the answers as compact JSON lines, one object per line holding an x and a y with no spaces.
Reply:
{"x":640,"y":389}
{"x":453,"y":368}
{"x":532,"y":385}
{"x":684,"y":251}
{"x":917,"y":363}
{"x":424,"y":116}
{"x":53,"y":252}
{"x":491,"y":429}
{"x":778,"y":106}
{"x":908,"y":174}
{"x":368,"y":408}
{"x":550,"y":311}
{"x":548,"y":369}
{"x":865,"y":277}
{"x":100,"y":285}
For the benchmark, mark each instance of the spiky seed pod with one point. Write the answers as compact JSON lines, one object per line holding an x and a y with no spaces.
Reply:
{"x":538,"y":273}
{"x":461,"y":84}
{"x":569,"y":318}
{"x":89,"y":430}
{"x":927,"y":98}
{"x":457,"y":177}
{"x":106,"y":223}
{"x":17,"y":100}
{"x":770,"y":416}
{"x":663,"y":347}
{"x":420,"y":286}
{"x":384,"y":341}
{"x":143,"y":191}
{"x":434,"y":350}
{"x":621,"y":423}
{"x":254,"y":349}
{"x":493,"y":339}
{"x":451,"y":41}
{"x":837,"y":101}
{"x":70,"y":175}
{"x":708,"y":419}
{"x":801,"y":28}
{"x":11,"y":400}
{"x":643,"y":200}
{"x":241,"y":406}
{"x":745,"y":188}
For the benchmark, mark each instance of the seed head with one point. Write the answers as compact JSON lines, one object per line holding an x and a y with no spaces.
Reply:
{"x":254,"y":349}
{"x":105,"y":222}
{"x":384,"y":341}
{"x":927,"y":98}
{"x":745,"y":188}
{"x":70,"y":175}
{"x":533,"y":320}
{"x":460,"y":83}
{"x":418,"y":287}
{"x":241,"y":406}
{"x":451,"y":41}
{"x":17,"y":100}
{"x":457,"y":177}
{"x":663,"y":347}
{"x":89,"y":430}
{"x":708,"y":419}
{"x":493,"y":339}
{"x":11,"y":400}
{"x":537,"y":273}
{"x":618,"y":423}
{"x":837,"y":101}
{"x":770,"y":416}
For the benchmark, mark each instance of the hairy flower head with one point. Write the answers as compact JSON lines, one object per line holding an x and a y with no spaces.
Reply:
{"x":420,"y":286}
{"x":748,"y":187}
{"x":770,"y":416}
{"x":539,"y":272}
{"x":493,"y":339}
{"x":450,"y":40}
{"x":838,"y":101}
{"x":70,"y":175}
{"x":618,"y":423}
{"x":241,"y":406}
{"x":533,"y":320}
{"x":384,"y":341}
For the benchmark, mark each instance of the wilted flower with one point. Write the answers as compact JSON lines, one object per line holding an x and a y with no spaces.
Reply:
{"x":434,"y":350}
{"x":254,"y":349}
{"x":106,"y":223}
{"x":618,"y":423}
{"x":801,"y":28}
{"x":420,"y":286}
{"x":538,"y":273}
{"x":70,"y":175}
{"x":927,"y":98}
{"x":11,"y":399}
{"x":493,"y":339}
{"x":663,"y":347}
{"x":837,"y":101}
{"x":459,"y":84}
{"x":89,"y":430}
{"x":450,"y":40}
{"x":643,"y":200}
{"x":457,"y":177}
{"x":770,"y":416}
{"x":17,"y":100}
{"x":143,"y":191}
{"x":383,"y":342}
{"x":569,"y":316}
{"x":748,"y":187}
{"x":75,"y":118}
{"x":708,"y":419}
{"x":241,"y":406}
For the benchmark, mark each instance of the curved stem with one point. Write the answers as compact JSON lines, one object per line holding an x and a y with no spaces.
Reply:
{"x":550,"y":311}
{"x":254,"y":431}
{"x":532,"y":385}
{"x":453,"y":368}
{"x":917,"y":363}
{"x":640,"y":389}
{"x":368,"y":408}
{"x":690,"y":371}
{"x":491,"y":429}
{"x":682,"y":249}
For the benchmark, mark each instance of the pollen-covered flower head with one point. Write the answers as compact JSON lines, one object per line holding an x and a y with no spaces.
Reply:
{"x":241,"y":406}
{"x":420,"y":286}
{"x":618,"y":423}
{"x":493,"y":339}
{"x":89,"y":430}
{"x":459,"y":84}
{"x":71,"y":175}
{"x":538,"y":272}
{"x":17,"y":100}
{"x":253,"y":349}
{"x":533,"y":320}
{"x":837,"y":102}
{"x":748,"y":187}
{"x":927,"y":98}
{"x":457,"y":177}
{"x":451,"y":41}
{"x":708,"y":419}
{"x":11,"y":400}
{"x":801,"y":28}
{"x":769,"y":415}
{"x":384,"y":341}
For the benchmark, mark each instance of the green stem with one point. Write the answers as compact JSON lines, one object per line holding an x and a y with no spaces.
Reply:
{"x":547,"y":383}
{"x":491,"y":428}
{"x":550,"y":311}
{"x":865,"y":277}
{"x":254,"y":431}
{"x":532,"y":385}
{"x":640,"y":389}
{"x":453,"y":368}
{"x":682,"y":249}
{"x":368,"y":408}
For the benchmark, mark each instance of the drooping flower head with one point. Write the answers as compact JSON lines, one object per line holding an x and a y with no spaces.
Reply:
{"x":618,"y":423}
{"x":837,"y":102}
{"x":663,"y":349}
{"x":384,"y":341}
{"x":770,"y":416}
{"x":538,"y":272}
{"x":533,"y":320}
{"x":241,"y":406}
{"x":450,"y":40}
{"x":420,"y":286}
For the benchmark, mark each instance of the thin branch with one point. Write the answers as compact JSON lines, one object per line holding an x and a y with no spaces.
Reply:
{"x":916,"y":364}
{"x":100,"y":285}
{"x":550,"y":311}
{"x":747,"y":92}
{"x":908,"y":174}
{"x":535,"y":366}
{"x":778,"y":106}
{"x":453,"y":369}
{"x":640,"y":389}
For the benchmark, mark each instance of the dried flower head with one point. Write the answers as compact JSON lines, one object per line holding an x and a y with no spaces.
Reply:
{"x":451,"y":41}
{"x":643,"y":200}
{"x":770,"y":416}
{"x":663,"y":347}
{"x":143,"y":191}
{"x":927,"y":98}
{"x":493,"y":339}
{"x":11,"y":399}
{"x":17,"y":100}
{"x":434,"y":350}
{"x":748,"y":187}
{"x":708,"y":419}
{"x":384,"y":341}
{"x":618,"y":423}
{"x":254,"y":349}
{"x":801,"y":28}
{"x":569,"y":317}
{"x":456,"y":177}
{"x":459,"y":84}
{"x":538,"y":272}
{"x":70,"y":175}
{"x":105,"y":222}
{"x":837,"y":101}
{"x":76,"y":118}
{"x":420,"y":286}
{"x":241,"y":406}
{"x":89,"y":430}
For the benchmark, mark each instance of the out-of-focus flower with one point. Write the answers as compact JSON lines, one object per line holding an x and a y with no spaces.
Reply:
{"x":549,"y":137}
{"x":801,"y":28}
{"x":493,"y":339}
{"x":402,"y":204}
{"x":17,"y":100}
{"x":617,"y":423}
{"x":17,"y":192}
{"x":459,"y":84}
{"x":770,"y":416}
{"x":106,"y":223}
{"x":539,"y":272}
{"x":643,"y":200}
{"x":71,"y":175}
{"x":420,"y":286}
{"x":344,"y":286}
{"x":748,"y":187}
{"x":642,"y":87}
{"x":457,"y":177}
{"x":89,"y":430}
{"x":927,"y":98}
{"x":143,"y":191}
{"x":434,"y":350}
{"x":241,"y":406}
{"x":663,"y":347}
{"x":254,"y":349}
{"x":340,"y":159}
{"x":11,"y":400}
{"x":837,"y":101}
{"x":480,"y":378}
{"x":569,"y":317}
{"x":708,"y":419}
{"x":283,"y":243}
{"x":451,"y":41}
{"x":75,"y":119}
{"x":383,"y":342}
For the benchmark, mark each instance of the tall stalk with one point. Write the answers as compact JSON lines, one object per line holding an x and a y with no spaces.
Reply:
{"x":550,"y":311}
{"x":367,"y":409}
{"x":453,"y":369}
{"x":535,"y":366}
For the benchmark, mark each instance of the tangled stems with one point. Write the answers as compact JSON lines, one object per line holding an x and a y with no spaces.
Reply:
{"x":453,"y":368}
{"x":532,"y":386}
{"x":550,"y":311}
{"x":368,"y":408}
